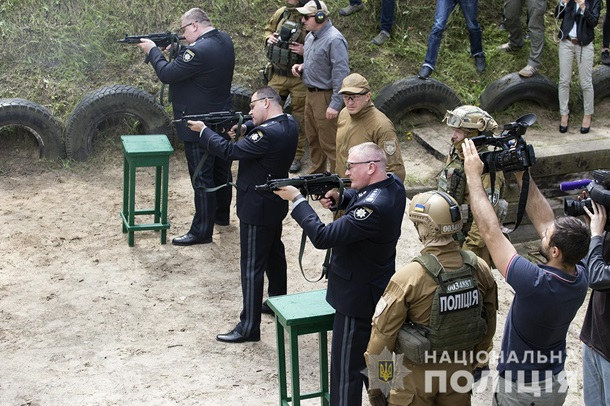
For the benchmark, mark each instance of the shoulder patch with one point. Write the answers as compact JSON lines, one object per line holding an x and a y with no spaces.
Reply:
{"x":256,"y":136}
{"x":372,"y":196}
{"x":188,"y":55}
{"x":389,"y":147}
{"x":362,"y":213}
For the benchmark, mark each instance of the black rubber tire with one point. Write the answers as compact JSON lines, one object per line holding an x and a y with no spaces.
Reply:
{"x":116,"y":100}
{"x":38,"y":121}
{"x":241,"y":98}
{"x":513,"y":88}
{"x":397,"y":99}
{"x":601,"y":82}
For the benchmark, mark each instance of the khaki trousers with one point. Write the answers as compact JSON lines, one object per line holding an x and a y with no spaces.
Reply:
{"x":321,"y":133}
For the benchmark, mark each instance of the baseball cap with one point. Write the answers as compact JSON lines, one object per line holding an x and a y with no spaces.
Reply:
{"x":355,"y":84}
{"x":311,"y":8}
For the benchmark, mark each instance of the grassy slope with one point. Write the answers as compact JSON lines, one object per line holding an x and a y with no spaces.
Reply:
{"x":56,"y":53}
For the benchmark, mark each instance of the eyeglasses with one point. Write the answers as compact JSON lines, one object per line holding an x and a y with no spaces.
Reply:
{"x":253,"y":102}
{"x":181,"y":29}
{"x":348,"y":165}
{"x":307,"y":17}
{"x":352,"y":97}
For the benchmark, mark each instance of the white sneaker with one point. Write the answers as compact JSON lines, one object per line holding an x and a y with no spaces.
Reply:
{"x":528,"y":71}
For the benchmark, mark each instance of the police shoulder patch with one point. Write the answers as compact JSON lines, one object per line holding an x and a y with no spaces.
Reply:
{"x":389,"y":147}
{"x":256,"y":136}
{"x":188,"y":55}
{"x":362,"y":213}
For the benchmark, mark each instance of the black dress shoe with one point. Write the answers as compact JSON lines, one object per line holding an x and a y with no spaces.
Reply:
{"x":479,"y":61}
{"x":563,"y":128}
{"x":266,"y":309}
{"x":584,"y":130}
{"x":189,"y":239}
{"x":236,"y":337}
{"x":295,"y":167}
{"x":425,"y":72}
{"x":219,"y":222}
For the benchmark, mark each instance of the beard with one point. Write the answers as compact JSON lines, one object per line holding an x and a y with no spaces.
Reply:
{"x":543,"y":252}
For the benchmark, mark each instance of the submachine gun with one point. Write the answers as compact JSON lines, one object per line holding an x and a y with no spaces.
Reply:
{"x":315,"y":185}
{"x":161,"y":39}
{"x":220,"y":122}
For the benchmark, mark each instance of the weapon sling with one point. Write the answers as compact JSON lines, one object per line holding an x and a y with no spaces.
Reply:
{"x":205,"y":157}
{"x":326,"y":263}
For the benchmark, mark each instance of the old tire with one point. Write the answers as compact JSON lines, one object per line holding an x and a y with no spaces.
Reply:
{"x":38,"y":121}
{"x":513,"y":88}
{"x":97,"y":107}
{"x":601,"y":82}
{"x":241,"y":98}
{"x":397,"y":99}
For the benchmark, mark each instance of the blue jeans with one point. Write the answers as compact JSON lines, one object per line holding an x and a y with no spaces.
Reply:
{"x":387,"y":13}
{"x":470,"y":9}
{"x":595,"y":378}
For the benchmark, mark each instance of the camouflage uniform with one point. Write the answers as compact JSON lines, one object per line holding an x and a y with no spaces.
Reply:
{"x":281,"y":59}
{"x":453,"y":181}
{"x":409,"y":297}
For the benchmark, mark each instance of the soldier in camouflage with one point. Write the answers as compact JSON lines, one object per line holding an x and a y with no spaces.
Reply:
{"x":284,"y":38}
{"x":466,"y":122}
{"x":439,"y":311}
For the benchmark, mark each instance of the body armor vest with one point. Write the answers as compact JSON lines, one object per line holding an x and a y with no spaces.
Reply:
{"x":279,"y":54}
{"x":453,"y":180}
{"x":458,"y":319}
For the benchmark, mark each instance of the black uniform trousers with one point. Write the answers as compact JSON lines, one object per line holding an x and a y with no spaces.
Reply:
{"x":212,"y":206}
{"x":262,"y":251}
{"x":349,"y":341}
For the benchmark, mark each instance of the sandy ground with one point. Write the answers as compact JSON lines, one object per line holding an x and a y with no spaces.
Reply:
{"x":87,"y":320}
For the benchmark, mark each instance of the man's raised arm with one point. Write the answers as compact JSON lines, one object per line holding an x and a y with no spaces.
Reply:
{"x":499,"y":247}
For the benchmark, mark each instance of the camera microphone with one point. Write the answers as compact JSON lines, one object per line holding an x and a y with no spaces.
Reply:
{"x":576,"y":184}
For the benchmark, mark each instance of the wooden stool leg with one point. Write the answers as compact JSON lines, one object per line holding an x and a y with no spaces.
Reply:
{"x":157,"y":214}
{"x":125,"y":190}
{"x":132,"y":204}
{"x":281,"y":362}
{"x":323,"y":353}
{"x":294,"y":369}
{"x":164,"y":198}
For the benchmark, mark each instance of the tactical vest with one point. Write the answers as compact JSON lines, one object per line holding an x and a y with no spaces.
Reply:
{"x":458,"y":319}
{"x":279,"y":54}
{"x":452,"y":180}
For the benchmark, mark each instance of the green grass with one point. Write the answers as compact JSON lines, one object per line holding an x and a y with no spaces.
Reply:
{"x":57,"y":52}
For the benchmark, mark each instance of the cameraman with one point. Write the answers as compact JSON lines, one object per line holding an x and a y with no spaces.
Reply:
{"x":547,"y":297}
{"x":467,"y":122}
{"x":596,"y":326}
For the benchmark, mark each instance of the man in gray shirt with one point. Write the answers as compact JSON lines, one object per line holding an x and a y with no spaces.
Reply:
{"x":325,"y":65}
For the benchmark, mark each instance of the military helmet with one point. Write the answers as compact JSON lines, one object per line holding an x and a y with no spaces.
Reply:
{"x":470,"y":118}
{"x":435,"y":214}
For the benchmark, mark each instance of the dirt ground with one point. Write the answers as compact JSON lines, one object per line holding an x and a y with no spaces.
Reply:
{"x":87,"y":320}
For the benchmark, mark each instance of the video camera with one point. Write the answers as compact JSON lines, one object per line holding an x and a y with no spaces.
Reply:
{"x":596,"y":189}
{"x":511,"y":153}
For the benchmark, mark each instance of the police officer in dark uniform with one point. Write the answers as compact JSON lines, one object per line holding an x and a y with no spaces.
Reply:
{"x":200,"y":82}
{"x":267,"y":150}
{"x":363,"y":244}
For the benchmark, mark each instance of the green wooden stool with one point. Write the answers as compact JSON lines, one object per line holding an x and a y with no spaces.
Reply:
{"x":145,"y":150}
{"x":298,"y":314}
